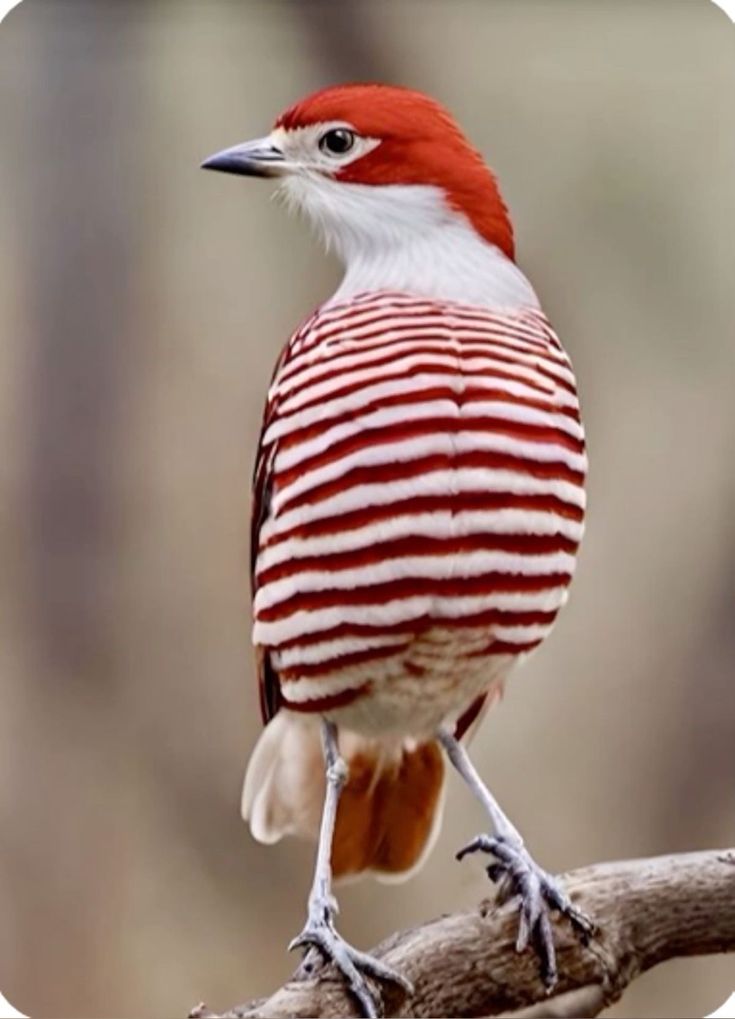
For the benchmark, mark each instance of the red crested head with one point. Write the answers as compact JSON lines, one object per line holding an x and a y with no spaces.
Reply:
{"x":414,"y":140}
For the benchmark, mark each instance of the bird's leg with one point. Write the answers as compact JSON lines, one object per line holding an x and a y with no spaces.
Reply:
{"x":538,"y":891}
{"x":320,"y":933}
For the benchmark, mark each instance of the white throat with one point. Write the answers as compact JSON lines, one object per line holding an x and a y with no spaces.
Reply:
{"x":406,"y":238}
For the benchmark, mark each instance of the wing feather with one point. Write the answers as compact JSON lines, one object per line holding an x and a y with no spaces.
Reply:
{"x":269,"y":684}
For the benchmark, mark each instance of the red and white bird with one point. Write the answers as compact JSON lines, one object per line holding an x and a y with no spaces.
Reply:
{"x":418,"y":502}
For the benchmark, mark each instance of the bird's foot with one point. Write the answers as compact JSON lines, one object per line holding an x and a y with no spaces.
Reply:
{"x":517,"y":873}
{"x":321,"y":938}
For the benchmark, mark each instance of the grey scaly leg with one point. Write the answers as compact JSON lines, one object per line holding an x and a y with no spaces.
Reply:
{"x":538,"y":891}
{"x":320,"y":933}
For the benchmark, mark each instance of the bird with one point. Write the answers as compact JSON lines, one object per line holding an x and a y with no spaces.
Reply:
{"x":418,"y":506}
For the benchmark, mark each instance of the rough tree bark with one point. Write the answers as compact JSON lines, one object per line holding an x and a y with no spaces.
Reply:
{"x":465,"y":964}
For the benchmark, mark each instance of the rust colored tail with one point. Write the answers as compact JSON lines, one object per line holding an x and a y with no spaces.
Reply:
{"x":389,"y":812}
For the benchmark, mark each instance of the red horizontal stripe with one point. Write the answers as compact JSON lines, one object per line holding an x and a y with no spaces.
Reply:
{"x":421,"y":308}
{"x":399,"y":431}
{"x":469,"y":394}
{"x":319,"y":705}
{"x":459,"y":371}
{"x":321,"y":670}
{"x":411,"y":587}
{"x":421,"y":349}
{"x":347,"y":661}
{"x":359,"y":305}
{"x":568,"y":386}
{"x":423,"y":316}
{"x":500,"y":647}
{"x":420,"y":545}
{"x":402,"y":470}
{"x":416,"y":627}
{"x":417,"y":338}
{"x":449,"y":503}
{"x":326,"y":323}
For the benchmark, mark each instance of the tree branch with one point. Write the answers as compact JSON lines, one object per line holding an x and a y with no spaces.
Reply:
{"x":647,"y":911}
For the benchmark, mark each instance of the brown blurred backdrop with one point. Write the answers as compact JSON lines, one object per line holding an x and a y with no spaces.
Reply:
{"x":142,"y":304}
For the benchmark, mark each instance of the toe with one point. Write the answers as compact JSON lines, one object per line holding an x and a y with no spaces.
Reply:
{"x":482,"y":844}
{"x":369,"y":1002}
{"x":544,"y":937}
{"x":524,"y":932}
{"x":377,"y":969}
{"x":558,"y":899}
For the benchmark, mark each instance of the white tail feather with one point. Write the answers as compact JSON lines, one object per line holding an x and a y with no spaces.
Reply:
{"x":284,"y":782}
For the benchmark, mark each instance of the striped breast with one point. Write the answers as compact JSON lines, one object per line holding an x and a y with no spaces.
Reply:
{"x":419,"y":485}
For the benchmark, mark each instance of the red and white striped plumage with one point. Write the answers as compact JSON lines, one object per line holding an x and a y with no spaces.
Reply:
{"x":419,"y":487}
{"x":419,"y":504}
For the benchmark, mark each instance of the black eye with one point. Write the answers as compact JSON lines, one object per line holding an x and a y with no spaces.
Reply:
{"x":337,"y":141}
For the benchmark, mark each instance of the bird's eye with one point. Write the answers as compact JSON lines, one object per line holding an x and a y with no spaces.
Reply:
{"x":337,"y":142}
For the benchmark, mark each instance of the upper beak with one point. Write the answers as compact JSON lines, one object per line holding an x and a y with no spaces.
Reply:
{"x":259,"y":158}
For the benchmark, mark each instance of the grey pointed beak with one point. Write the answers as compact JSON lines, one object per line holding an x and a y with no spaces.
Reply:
{"x":259,"y":158}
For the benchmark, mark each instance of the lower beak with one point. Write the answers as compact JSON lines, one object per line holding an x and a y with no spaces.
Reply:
{"x":259,"y":158}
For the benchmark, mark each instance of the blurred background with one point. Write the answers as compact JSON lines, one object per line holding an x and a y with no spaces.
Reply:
{"x":142,"y":305}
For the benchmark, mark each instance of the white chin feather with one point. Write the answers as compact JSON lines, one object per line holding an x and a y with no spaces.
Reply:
{"x":405,"y":237}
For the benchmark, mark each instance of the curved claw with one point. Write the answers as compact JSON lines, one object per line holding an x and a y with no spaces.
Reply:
{"x":479,"y":844}
{"x":300,"y":941}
